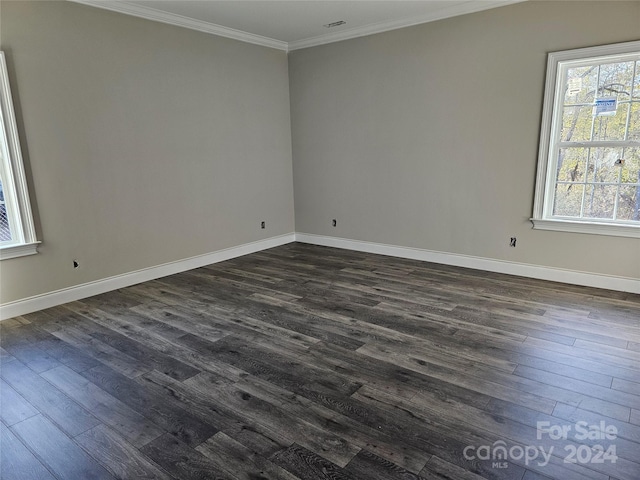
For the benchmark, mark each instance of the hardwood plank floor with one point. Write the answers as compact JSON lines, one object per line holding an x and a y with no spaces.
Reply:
{"x":317,"y":363}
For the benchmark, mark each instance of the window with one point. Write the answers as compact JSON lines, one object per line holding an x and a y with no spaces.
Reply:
{"x":17,"y":234}
{"x":589,"y":165}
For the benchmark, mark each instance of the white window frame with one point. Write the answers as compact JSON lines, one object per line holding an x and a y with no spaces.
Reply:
{"x":557,"y":65}
{"x":16,"y":195}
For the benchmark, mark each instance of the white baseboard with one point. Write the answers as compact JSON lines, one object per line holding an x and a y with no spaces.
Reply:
{"x":78,"y":292}
{"x":587,"y":279}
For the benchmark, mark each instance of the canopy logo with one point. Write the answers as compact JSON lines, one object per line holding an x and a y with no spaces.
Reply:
{"x":498,"y":453}
{"x":579,"y":447}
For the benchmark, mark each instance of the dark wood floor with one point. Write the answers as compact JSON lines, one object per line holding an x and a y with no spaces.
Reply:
{"x":316,"y":363}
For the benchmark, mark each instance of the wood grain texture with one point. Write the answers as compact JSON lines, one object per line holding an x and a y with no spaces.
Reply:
{"x":133,"y":426}
{"x":57,"y":451}
{"x":66,"y":413}
{"x":175,"y":419}
{"x":14,"y":407}
{"x":305,"y":362}
{"x":122,"y":459}
{"x":240,"y":461}
{"x":309,"y":466}
{"x":17,"y":462}
{"x":183,"y":462}
{"x":368,"y":466}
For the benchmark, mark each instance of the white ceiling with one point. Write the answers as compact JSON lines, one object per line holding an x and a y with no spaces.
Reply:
{"x":292,"y":24}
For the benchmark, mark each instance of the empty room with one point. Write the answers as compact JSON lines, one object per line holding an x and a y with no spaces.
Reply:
{"x":309,"y":239}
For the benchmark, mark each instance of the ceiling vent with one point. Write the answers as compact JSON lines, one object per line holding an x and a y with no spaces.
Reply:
{"x":335,"y":24}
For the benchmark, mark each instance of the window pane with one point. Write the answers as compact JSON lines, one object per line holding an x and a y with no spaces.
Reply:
{"x":629,"y":203}
{"x":611,"y":127}
{"x":616,"y":80}
{"x":572,"y":163}
{"x":631,"y":165}
{"x":598,"y":202}
{"x":17,"y":234}
{"x":592,"y":159}
{"x":576,"y":124}
{"x":5,"y":232}
{"x":568,"y":199}
{"x":604,"y":165}
{"x":581,"y":84}
{"x":634,"y":121}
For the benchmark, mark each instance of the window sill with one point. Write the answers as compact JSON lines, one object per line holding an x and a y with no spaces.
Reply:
{"x":14,"y":251}
{"x":595,"y":228}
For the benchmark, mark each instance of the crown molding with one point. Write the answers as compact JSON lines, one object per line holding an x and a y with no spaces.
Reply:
{"x":472,"y":6}
{"x":149,"y":13}
{"x":186,"y":22}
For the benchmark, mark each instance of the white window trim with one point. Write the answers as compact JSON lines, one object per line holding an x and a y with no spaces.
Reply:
{"x":16,"y":194}
{"x":545,"y":176}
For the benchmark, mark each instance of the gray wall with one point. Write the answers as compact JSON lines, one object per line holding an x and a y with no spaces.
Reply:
{"x":427,"y":136}
{"x":146,"y":143}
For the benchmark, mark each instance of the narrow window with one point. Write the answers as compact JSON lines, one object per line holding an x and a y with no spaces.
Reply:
{"x":17,"y":233}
